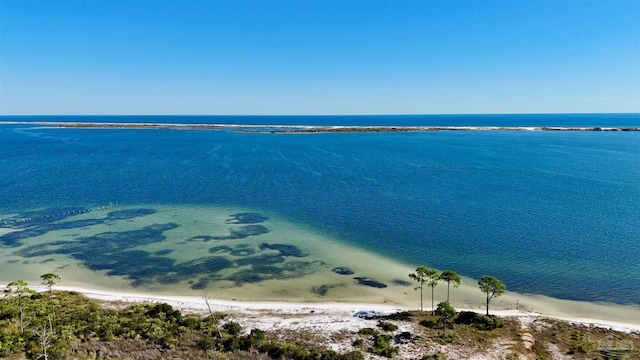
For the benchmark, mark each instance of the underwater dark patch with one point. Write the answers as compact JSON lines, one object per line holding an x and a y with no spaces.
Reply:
{"x":110,"y":251}
{"x":114,"y":241}
{"x":242,"y":252}
{"x":14,"y":238}
{"x":342,"y":270}
{"x":220,"y":249}
{"x":322,"y":289}
{"x":200,"y":284}
{"x":141,"y":282}
{"x":129,"y":214}
{"x":401,"y":282}
{"x":41,"y":222}
{"x":243,"y":232}
{"x":118,"y":253}
{"x":284,"y":249}
{"x":204,"y":238}
{"x":203,"y":266}
{"x":295,"y":269}
{"x":163,"y":252}
{"x":263,"y":272}
{"x":136,"y":264}
{"x":369,"y":282}
{"x":296,"y":266}
{"x":264,"y":259}
{"x":245,"y":277}
{"x":268,"y":271}
{"x":74,"y":224}
{"x":42,"y":249}
{"x":40,"y":217}
{"x":170,"y":278}
{"x":246,"y":218}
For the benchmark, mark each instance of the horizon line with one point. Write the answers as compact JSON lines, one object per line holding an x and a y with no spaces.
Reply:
{"x":318,"y":115}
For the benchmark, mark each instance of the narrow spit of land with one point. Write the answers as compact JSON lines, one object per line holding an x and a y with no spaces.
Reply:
{"x":308,"y":129}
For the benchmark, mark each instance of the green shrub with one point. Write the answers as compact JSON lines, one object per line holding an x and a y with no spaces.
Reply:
{"x":480,"y":322}
{"x":388,"y":352}
{"x":58,"y":350}
{"x":367,"y":331}
{"x":231,"y":343}
{"x":353,"y":355}
{"x":382,"y":347}
{"x":436,"y":356}
{"x":232,"y":328}
{"x":205,"y":343}
{"x":278,"y":350}
{"x":164,"y":312}
{"x":387,"y":326}
{"x":256,"y":335}
{"x":429,"y":323}
{"x":579,"y":343}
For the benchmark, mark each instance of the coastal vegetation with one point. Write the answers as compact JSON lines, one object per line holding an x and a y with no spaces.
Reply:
{"x":450,"y":276}
{"x":421,"y":275}
{"x":492,"y":287}
{"x":81,"y":328}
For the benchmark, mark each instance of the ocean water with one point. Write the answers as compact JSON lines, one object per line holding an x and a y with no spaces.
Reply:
{"x":552,"y":213}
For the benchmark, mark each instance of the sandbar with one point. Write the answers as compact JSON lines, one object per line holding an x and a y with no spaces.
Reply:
{"x":305,"y":129}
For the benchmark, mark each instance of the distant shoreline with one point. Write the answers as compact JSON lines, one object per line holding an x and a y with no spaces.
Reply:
{"x":308,"y":129}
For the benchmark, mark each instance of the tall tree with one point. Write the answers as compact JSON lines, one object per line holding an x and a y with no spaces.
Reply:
{"x":432,"y":281}
{"x":420,"y":275}
{"x":450,"y":276}
{"x":492,"y":287}
{"x":445,"y":311}
{"x":50,"y":279}
{"x":20,"y":288}
{"x":424,"y":275}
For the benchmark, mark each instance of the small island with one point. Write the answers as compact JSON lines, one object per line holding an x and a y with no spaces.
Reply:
{"x":305,"y":129}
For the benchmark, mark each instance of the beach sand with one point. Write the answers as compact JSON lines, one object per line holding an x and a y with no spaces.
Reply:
{"x":328,"y":312}
{"x":333,"y":325}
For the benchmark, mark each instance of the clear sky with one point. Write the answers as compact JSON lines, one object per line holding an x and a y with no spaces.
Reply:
{"x":319,"y":57}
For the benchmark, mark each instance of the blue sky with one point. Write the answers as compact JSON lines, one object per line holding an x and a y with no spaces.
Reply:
{"x":319,"y":57}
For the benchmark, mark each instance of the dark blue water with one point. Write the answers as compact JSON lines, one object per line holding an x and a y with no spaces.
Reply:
{"x":592,"y":120}
{"x":556,"y":213}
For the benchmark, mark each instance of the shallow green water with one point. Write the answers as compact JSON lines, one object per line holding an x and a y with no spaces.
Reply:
{"x":193,"y":250}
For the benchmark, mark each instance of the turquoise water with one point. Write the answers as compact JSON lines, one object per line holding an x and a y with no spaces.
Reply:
{"x":553,"y":213}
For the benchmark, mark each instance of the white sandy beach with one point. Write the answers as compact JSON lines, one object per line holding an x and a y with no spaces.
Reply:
{"x":326,"y":316}
{"x":331,"y":322}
